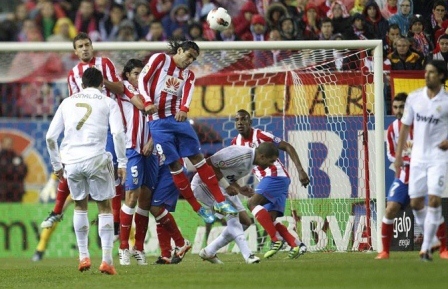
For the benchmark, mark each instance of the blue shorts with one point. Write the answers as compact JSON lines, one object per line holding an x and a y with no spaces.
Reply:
{"x":174,"y":140}
{"x":151,"y":171}
{"x":275,"y":190}
{"x":165,"y":193}
{"x":135,"y":170}
{"x":398,"y":192}
{"x":110,"y":148}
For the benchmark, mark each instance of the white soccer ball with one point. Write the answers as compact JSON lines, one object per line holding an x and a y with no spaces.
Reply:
{"x":219,"y":19}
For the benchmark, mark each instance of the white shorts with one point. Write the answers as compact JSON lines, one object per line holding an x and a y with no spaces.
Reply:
{"x":203,"y":195}
{"x":427,"y":179}
{"x":94,"y":177}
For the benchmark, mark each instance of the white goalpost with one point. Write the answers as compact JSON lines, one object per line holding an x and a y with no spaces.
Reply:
{"x":323,"y":97}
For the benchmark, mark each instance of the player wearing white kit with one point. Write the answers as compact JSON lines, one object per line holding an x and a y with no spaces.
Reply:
{"x":85,"y":119}
{"x":231,"y":164}
{"x":137,"y":135}
{"x":427,"y":110}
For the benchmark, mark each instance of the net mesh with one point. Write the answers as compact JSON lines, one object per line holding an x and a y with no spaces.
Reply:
{"x":319,"y":100}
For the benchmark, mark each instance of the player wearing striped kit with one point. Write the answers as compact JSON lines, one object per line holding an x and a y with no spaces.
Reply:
{"x":269,"y":199}
{"x":167,"y":85}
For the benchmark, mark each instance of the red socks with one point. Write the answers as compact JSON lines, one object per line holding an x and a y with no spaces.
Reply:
{"x":183,"y":185}
{"x":286,"y":235}
{"x":61,"y":196}
{"x":164,"y":241}
{"x":208,"y":177}
{"x":141,"y":227}
{"x":166,"y":220}
{"x":386,"y":236}
{"x":264,"y":218}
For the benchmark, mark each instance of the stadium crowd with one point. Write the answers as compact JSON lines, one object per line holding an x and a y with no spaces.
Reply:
{"x":413,"y":31}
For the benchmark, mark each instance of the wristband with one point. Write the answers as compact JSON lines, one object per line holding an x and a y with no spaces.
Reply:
{"x":223,"y":183}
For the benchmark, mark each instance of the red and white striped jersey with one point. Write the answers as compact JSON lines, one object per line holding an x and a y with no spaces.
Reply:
{"x":393,"y":132}
{"x":256,"y":137}
{"x":133,"y":119}
{"x":162,"y":83}
{"x":103,"y":64}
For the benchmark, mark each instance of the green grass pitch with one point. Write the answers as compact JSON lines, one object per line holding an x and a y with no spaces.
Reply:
{"x":312,"y":270}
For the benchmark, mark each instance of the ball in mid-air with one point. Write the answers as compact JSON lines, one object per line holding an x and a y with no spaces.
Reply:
{"x":219,"y":19}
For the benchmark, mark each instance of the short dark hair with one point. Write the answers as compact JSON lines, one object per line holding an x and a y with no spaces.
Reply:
{"x":268,"y":149}
{"x":401,"y":96}
{"x":243,"y":111}
{"x":81,"y":36}
{"x":394,"y":26}
{"x":131,"y":64}
{"x":92,"y":77}
{"x":441,"y":67}
{"x":185,"y":45}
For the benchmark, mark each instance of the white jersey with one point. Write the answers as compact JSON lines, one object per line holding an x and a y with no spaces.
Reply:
{"x":430,"y":119}
{"x":234,"y":162}
{"x":133,"y":118}
{"x":85,"y":118}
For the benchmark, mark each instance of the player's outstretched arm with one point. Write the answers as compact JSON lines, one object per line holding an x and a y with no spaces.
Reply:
{"x":291,"y":151}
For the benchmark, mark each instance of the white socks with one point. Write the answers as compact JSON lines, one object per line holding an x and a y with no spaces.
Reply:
{"x":82,"y":226}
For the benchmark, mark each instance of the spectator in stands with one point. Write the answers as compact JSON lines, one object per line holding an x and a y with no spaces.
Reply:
{"x":109,"y":28}
{"x":374,"y":20}
{"x":359,"y":30}
{"x":435,"y":21}
{"x":421,"y":42}
{"x":28,"y":25}
{"x":403,"y":58}
{"x":326,"y":6}
{"x":11,"y":26}
{"x":85,"y":19}
{"x":403,"y":15}
{"x":389,"y":9}
{"x":310,"y":23}
{"x":274,"y":13}
{"x":259,"y":33}
{"x":243,"y":20}
{"x":160,"y":8}
{"x":13,"y":171}
{"x":326,"y":29}
{"x":289,"y":29}
{"x":156,"y":32}
{"x":69,"y":7}
{"x":295,"y":9}
{"x":227,"y":34}
{"x":176,"y":25}
{"x":441,"y":51}
{"x":195,"y":32}
{"x":274,"y":57}
{"x":46,"y":18}
{"x":143,"y":17}
{"x":358,"y":7}
{"x":126,"y":31}
{"x":35,"y":7}
{"x":392,"y":34}
{"x":339,"y":17}
{"x":64,"y":30}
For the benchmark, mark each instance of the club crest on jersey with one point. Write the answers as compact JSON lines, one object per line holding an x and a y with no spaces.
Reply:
{"x":172,"y":85}
{"x":277,"y":140}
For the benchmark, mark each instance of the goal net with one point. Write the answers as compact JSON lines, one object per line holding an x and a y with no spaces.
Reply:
{"x":325,"y":98}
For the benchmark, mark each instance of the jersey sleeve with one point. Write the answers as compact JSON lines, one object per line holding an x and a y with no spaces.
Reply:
{"x":117,"y":131}
{"x":147,"y":74}
{"x":187,"y":92}
{"x":408,"y":114}
{"x":55,"y":129}
{"x":390,"y":143}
